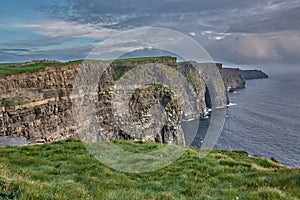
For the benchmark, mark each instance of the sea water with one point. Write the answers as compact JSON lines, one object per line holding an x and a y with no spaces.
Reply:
{"x":262,"y":119}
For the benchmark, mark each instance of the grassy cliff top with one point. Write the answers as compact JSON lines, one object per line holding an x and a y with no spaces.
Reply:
{"x":65,"y":170}
{"x":7,"y":69}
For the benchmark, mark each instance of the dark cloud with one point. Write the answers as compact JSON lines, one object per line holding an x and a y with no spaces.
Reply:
{"x":234,"y":16}
{"x":65,"y":54}
{"x":135,"y":13}
{"x":282,"y":20}
{"x":192,"y":6}
{"x":16,"y":50}
{"x":255,"y":28}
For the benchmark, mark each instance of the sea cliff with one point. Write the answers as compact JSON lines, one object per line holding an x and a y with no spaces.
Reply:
{"x":233,"y":79}
{"x":253,"y":74}
{"x":38,"y":105}
{"x":36,"y":97}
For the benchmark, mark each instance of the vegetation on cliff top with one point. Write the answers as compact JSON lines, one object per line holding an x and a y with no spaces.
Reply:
{"x":7,"y":69}
{"x":137,"y":61}
{"x":65,"y":170}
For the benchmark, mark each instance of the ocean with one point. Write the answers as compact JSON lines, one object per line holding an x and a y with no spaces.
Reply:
{"x":263,"y":119}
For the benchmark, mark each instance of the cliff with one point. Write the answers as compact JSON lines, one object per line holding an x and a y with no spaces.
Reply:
{"x":253,"y":74}
{"x":233,"y":79}
{"x":215,"y":87}
{"x":38,"y":105}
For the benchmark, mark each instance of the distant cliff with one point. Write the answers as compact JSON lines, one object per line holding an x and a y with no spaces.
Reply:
{"x":233,"y":79}
{"x":253,"y":74}
{"x":38,"y":105}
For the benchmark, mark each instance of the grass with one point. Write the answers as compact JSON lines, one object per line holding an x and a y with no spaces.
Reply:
{"x":7,"y":69}
{"x":8,"y":64}
{"x":136,"y":61}
{"x":121,"y":66}
{"x":65,"y":170}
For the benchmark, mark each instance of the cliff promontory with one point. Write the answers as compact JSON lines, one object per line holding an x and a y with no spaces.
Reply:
{"x":233,"y":79}
{"x":253,"y":74}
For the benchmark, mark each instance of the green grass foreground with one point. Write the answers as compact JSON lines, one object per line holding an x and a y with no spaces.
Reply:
{"x":65,"y":170}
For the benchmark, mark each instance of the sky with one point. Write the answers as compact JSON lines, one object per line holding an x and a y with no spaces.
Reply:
{"x":250,"y":32}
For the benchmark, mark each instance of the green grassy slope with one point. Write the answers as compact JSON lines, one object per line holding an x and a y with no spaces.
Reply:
{"x":7,"y":69}
{"x":65,"y":170}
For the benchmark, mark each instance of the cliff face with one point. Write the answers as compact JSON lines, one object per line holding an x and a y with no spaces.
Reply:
{"x":38,"y":106}
{"x":233,"y":79}
{"x":194,"y":77}
{"x":253,"y":74}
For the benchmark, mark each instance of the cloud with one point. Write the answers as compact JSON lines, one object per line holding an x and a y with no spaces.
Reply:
{"x":15,"y":50}
{"x":256,"y":47}
{"x":286,"y":19}
{"x":278,"y":47}
{"x":68,"y":29}
{"x":249,"y":31}
{"x":63,"y":54}
{"x":215,"y":36}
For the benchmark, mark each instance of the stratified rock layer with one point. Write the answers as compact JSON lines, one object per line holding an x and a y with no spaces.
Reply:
{"x":38,"y":106}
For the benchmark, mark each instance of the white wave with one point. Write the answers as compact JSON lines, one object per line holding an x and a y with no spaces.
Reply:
{"x":231,"y":104}
{"x":188,"y":120}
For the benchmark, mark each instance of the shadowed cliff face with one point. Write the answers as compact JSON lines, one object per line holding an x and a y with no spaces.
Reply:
{"x":253,"y":74}
{"x":193,"y":75}
{"x":214,"y":86}
{"x":233,"y":79}
{"x":140,"y":110}
{"x":38,"y":106}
